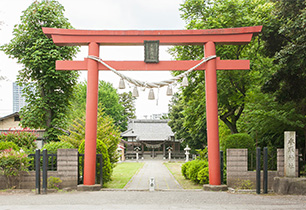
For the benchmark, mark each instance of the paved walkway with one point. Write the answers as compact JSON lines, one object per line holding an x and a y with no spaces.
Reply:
{"x":145,"y":200}
{"x":162,"y":177}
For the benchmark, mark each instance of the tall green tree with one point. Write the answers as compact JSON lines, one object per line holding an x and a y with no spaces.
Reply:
{"x":287,"y":84}
{"x":232,"y":85}
{"x":192,"y":135}
{"x":128,"y":102}
{"x":47,"y":91}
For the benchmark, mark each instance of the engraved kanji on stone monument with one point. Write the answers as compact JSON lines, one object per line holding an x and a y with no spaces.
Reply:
{"x":289,"y":166}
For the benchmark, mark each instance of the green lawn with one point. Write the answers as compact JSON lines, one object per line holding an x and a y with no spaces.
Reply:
{"x":175,"y":169}
{"x":122,"y":174}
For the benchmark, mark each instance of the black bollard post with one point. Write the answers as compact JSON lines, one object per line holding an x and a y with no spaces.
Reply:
{"x":101,"y":170}
{"x":265,"y":171}
{"x":45,"y":172}
{"x":258,"y":170}
{"x":37,"y":171}
{"x":221,"y":166}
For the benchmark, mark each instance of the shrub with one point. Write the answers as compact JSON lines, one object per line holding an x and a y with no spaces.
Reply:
{"x":52,"y":147}
{"x":54,"y":182}
{"x":196,"y":171}
{"x":194,"y":168}
{"x":202,"y":153}
{"x":107,"y":167}
{"x":107,"y":132}
{"x":8,"y":145}
{"x":12,"y":163}
{"x":184,"y":168}
{"x":203,"y":176}
{"x":238,"y":141}
{"x":24,"y":139}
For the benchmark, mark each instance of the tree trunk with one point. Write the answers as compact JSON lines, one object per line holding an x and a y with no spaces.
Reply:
{"x":231,"y":125}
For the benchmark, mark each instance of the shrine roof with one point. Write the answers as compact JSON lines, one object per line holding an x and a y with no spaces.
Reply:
{"x":148,"y":130}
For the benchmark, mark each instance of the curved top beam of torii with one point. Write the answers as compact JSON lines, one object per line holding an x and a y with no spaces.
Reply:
{"x":234,"y":36}
{"x":71,"y":37}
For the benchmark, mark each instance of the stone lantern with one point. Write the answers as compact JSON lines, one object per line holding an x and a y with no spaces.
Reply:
{"x":169,"y":152}
{"x":187,"y":149}
{"x":137,"y":149}
{"x":119,"y":150}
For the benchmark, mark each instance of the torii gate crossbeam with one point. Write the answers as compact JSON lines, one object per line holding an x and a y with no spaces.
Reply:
{"x":207,"y":38}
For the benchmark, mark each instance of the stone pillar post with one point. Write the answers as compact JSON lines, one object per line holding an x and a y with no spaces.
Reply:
{"x":67,"y":166}
{"x":289,"y":164}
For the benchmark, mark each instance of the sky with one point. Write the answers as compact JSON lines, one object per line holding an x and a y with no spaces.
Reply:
{"x":101,"y":15}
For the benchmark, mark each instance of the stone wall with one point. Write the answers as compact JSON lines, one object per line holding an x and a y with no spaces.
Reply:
{"x":67,"y":171}
{"x":237,"y":169}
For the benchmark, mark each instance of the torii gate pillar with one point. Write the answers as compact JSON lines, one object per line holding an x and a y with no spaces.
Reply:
{"x":212,"y":115}
{"x":91,"y":116}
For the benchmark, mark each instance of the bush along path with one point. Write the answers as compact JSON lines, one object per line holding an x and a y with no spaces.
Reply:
{"x":197,"y":170}
{"x":175,"y":169}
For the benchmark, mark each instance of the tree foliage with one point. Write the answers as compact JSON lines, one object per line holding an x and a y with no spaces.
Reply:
{"x":233,"y":86}
{"x":109,"y":100}
{"x":287,"y":84}
{"x":47,"y":91}
{"x":52,"y":147}
{"x":128,"y":102}
{"x":188,"y":133}
{"x":107,"y":132}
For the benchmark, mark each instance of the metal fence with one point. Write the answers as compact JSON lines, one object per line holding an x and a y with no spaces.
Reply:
{"x":272,"y":160}
{"x":52,"y":162}
{"x":99,"y":169}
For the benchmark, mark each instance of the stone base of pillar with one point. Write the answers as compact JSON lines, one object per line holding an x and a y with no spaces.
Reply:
{"x":208,"y":187}
{"x":96,"y":187}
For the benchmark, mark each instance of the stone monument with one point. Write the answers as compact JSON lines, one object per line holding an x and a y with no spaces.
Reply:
{"x":289,"y":156}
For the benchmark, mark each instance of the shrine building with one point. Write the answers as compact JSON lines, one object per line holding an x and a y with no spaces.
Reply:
{"x":153,"y":139}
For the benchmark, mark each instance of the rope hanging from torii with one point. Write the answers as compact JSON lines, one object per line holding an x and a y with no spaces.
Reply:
{"x":139,"y":83}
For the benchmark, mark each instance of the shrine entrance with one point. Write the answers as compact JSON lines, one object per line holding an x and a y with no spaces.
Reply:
{"x":210,"y":63}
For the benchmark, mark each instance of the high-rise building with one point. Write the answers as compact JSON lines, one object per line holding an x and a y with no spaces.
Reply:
{"x":18,"y":100}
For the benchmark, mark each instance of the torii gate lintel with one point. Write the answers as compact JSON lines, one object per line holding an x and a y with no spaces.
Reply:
{"x":208,"y":38}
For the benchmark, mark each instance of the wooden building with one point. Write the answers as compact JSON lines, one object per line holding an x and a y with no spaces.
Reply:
{"x":153,"y":139}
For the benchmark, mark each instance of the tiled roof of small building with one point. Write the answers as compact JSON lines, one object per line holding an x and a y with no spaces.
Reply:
{"x":148,"y":130}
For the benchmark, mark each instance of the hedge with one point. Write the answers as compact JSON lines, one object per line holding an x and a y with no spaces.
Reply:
{"x":101,"y":149}
{"x":196,"y":171}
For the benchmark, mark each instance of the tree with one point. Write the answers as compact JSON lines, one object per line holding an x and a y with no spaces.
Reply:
{"x":233,"y":86}
{"x":107,"y":132}
{"x":48,"y":92}
{"x":108,"y":100}
{"x":193,"y":135}
{"x":128,"y":102}
{"x":287,"y":84}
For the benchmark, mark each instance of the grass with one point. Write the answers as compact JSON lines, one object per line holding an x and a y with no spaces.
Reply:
{"x":175,"y":169}
{"x":122,"y":174}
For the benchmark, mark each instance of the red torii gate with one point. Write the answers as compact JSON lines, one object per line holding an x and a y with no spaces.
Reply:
{"x":208,"y":38}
